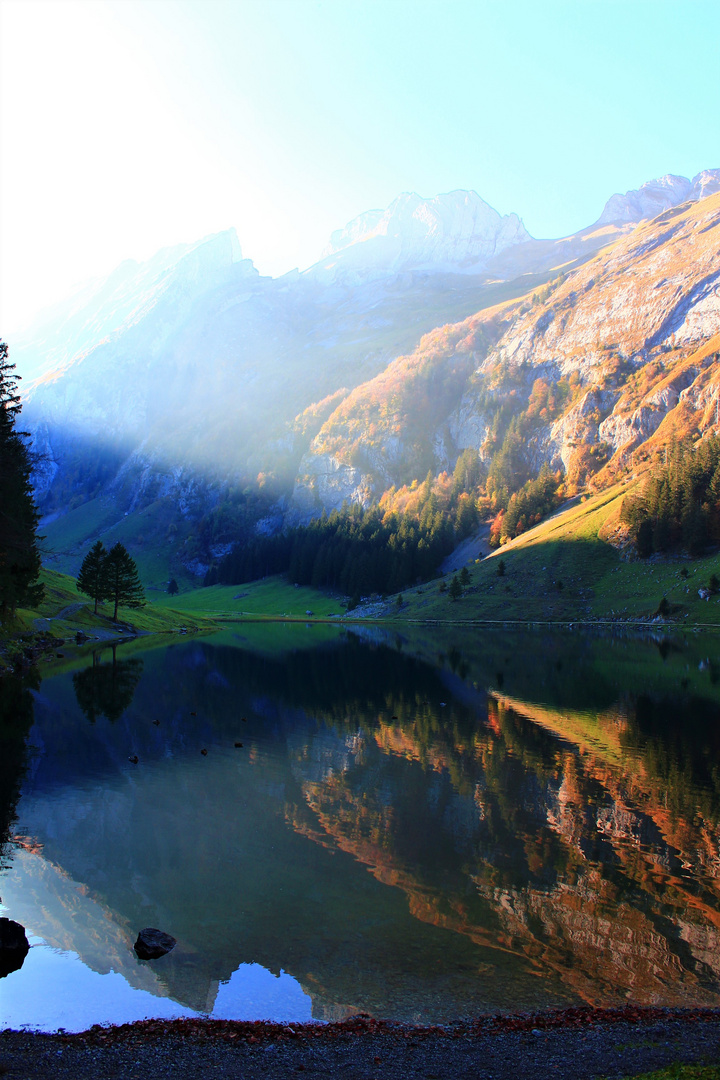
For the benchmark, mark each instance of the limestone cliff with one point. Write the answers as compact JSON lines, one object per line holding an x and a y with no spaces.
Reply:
{"x":637,"y":329}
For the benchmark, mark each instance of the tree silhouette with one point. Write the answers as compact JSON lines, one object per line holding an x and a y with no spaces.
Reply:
{"x":16,"y":719}
{"x":92,"y":579}
{"x":19,"y":555}
{"x":123,"y":582}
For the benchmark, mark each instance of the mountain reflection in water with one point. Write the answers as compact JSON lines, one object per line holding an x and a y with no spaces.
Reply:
{"x":418,"y":829}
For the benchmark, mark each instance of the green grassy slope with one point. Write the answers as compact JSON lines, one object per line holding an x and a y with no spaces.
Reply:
{"x":65,"y":610}
{"x":146,"y":534}
{"x":273,"y":597}
{"x":563,"y":571}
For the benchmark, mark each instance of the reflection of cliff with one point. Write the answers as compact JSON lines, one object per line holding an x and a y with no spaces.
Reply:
{"x":565,"y":868}
{"x":200,"y":847}
{"x":673,"y":810}
{"x":67,"y":917}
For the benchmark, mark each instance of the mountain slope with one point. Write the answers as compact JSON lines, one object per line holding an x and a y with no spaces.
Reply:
{"x":633,"y":330}
{"x":179,"y":400}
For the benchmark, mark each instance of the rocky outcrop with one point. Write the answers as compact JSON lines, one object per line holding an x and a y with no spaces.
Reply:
{"x":151,"y":944}
{"x":325,"y":483}
{"x":580,"y":425}
{"x":14,"y":946}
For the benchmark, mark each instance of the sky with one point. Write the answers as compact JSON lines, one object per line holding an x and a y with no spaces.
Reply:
{"x":131,"y":125}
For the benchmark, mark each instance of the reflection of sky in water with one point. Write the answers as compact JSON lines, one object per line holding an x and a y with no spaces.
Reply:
{"x":54,"y":989}
{"x":253,"y":992}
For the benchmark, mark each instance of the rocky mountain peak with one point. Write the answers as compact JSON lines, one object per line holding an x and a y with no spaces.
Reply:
{"x":455,"y":232}
{"x":657,"y":195}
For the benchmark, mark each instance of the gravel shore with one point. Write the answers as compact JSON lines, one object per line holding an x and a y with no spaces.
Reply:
{"x":577,"y":1044}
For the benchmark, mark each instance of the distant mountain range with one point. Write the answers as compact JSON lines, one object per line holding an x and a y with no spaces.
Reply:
{"x":177,"y":387}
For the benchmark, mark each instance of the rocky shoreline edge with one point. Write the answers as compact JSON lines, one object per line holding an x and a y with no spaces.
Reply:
{"x":581,"y":1043}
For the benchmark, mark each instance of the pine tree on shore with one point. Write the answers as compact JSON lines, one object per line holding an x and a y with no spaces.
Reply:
{"x":92,"y":579}
{"x":19,"y":555}
{"x":123,"y":582}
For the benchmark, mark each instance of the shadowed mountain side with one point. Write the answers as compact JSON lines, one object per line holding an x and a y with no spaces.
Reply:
{"x":159,"y":437}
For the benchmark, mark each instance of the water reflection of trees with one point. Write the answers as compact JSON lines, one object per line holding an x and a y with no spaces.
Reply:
{"x":107,"y":689}
{"x":16,"y":717}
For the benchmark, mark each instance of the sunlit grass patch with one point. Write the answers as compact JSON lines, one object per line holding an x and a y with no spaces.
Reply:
{"x":563,"y":570}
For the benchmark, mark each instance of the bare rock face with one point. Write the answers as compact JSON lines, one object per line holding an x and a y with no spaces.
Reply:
{"x":152,"y":943}
{"x":14,"y":946}
{"x":325,"y":482}
{"x":455,"y":232}
{"x":658,"y":195}
{"x":580,"y":424}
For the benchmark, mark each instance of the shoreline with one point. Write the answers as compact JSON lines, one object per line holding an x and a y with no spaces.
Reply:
{"x":581,"y":1043}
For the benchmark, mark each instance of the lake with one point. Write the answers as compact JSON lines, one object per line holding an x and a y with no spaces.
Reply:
{"x":424,"y":825}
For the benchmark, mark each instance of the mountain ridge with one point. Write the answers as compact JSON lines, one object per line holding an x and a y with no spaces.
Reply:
{"x":193,"y":380}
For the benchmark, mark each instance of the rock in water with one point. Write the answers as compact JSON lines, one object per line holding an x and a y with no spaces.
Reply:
{"x":14,"y":946}
{"x":153,"y":943}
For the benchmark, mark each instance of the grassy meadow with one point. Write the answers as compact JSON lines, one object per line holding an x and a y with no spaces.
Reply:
{"x":271,"y":597}
{"x":566,"y":570}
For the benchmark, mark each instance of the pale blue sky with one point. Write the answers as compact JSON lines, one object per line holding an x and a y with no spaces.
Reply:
{"x":132,"y":124}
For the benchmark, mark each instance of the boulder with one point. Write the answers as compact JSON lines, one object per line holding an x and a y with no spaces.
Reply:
{"x":153,"y":943}
{"x":14,"y":946}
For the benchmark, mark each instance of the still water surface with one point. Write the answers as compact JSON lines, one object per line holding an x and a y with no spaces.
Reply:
{"x":421,"y":828}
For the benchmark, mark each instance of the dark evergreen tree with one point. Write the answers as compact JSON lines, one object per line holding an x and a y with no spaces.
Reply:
{"x":123,"y":582}
{"x":679,"y":506}
{"x":455,"y":590}
{"x":19,"y":555}
{"x":92,"y":579}
{"x":644,"y":539}
{"x":173,"y":587}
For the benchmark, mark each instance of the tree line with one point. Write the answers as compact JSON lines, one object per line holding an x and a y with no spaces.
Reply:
{"x":352,"y":550}
{"x":679,"y":506}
